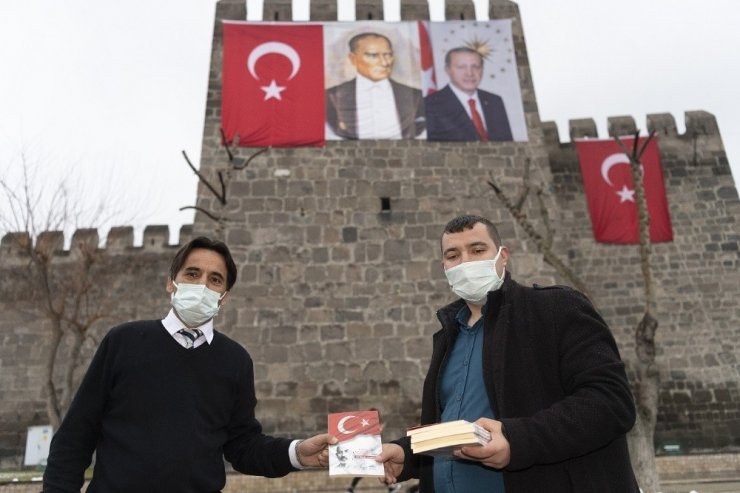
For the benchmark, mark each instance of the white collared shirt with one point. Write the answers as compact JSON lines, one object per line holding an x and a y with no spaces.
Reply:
{"x":464,"y":97}
{"x":174,"y":324}
{"x":377,"y":117}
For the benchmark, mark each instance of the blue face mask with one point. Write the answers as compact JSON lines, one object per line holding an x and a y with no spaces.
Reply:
{"x":195,"y":304}
{"x":472,"y":281}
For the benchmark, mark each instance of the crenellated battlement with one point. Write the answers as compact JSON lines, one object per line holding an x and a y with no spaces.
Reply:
{"x":664,"y":124}
{"x":327,"y":10}
{"x":119,"y":241}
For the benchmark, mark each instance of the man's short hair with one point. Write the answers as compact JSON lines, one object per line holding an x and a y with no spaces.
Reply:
{"x":468,"y":221}
{"x":461,"y":49}
{"x":355,"y":40}
{"x":206,"y":244}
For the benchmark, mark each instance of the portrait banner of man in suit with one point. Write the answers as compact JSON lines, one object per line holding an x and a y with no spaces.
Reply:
{"x":372,"y":81}
{"x":479,"y":97}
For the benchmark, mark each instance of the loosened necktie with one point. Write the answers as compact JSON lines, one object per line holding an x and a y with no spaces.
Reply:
{"x":191,"y":336}
{"x":477,"y":121}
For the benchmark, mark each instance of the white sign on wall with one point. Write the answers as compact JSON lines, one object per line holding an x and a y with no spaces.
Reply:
{"x":37,"y":445}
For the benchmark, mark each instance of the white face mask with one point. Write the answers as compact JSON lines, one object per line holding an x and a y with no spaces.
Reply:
{"x":472,"y":281}
{"x":195,"y":304}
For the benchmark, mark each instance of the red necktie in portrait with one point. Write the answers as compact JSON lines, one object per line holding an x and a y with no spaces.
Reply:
{"x":477,"y":121}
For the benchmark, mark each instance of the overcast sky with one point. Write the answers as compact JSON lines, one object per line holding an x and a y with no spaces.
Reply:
{"x":110,"y":93}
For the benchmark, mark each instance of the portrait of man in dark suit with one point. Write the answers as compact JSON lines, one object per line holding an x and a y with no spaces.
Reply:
{"x":372,"y":105}
{"x":461,"y":111}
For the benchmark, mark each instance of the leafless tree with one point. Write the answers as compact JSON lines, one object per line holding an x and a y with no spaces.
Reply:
{"x":647,"y":381}
{"x":647,"y":374}
{"x":63,"y":284}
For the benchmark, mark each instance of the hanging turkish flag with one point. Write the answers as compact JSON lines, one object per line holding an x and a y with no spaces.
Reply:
{"x":348,"y":425}
{"x":428,"y":80}
{"x":610,"y":193}
{"x":273,"y":84}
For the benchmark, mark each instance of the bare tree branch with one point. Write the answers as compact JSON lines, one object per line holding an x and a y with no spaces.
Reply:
{"x":215,"y":218}
{"x":249,"y":160}
{"x":225,"y":144}
{"x":221,"y":196}
{"x":542,"y":244}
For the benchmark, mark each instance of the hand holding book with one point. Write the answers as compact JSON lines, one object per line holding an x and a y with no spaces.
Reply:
{"x":496,"y":453}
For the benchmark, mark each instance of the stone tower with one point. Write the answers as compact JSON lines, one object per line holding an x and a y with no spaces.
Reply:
{"x":340,"y":273}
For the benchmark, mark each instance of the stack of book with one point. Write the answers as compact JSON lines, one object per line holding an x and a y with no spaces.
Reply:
{"x":442,"y":439}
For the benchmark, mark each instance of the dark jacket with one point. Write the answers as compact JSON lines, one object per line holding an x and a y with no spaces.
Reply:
{"x":341,"y":109}
{"x":447,"y":120}
{"x":555,"y":380}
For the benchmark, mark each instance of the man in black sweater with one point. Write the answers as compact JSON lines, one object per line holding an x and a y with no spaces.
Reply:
{"x":164,"y":401}
{"x":535,"y":366}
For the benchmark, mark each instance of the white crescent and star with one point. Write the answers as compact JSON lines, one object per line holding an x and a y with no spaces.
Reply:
{"x":340,"y":425}
{"x":625,"y":194}
{"x":273,"y":90}
{"x":609,"y":162}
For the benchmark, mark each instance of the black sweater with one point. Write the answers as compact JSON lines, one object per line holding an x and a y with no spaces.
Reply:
{"x":162,"y":417}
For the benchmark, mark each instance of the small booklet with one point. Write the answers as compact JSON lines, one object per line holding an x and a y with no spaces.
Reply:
{"x":441,"y":439}
{"x":359,"y":443}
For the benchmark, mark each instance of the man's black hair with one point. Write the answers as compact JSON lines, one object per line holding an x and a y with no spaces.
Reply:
{"x":207,"y":244}
{"x":468,"y":221}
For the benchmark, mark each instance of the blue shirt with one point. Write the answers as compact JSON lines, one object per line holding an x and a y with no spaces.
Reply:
{"x":463,"y":396}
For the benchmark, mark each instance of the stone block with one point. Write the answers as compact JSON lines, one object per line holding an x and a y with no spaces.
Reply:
{"x":621,"y":126}
{"x":156,"y":238}
{"x":582,"y":128}
{"x":460,"y":10}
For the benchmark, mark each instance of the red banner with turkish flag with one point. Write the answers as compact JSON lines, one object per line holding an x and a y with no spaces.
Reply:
{"x":610,"y":192}
{"x":348,"y":425}
{"x":273,"y":85}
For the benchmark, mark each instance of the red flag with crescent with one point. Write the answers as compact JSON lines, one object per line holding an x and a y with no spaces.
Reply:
{"x":273,"y":84}
{"x":348,"y":425}
{"x":610,"y":192}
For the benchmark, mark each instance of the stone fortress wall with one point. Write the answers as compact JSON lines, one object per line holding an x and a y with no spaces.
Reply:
{"x":340,"y":277}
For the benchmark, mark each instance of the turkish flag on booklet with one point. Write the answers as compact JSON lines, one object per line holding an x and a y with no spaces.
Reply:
{"x":359,"y":443}
{"x":610,"y":193}
{"x":273,"y":84}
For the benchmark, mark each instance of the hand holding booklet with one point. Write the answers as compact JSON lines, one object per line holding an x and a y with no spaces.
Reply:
{"x":441,"y":439}
{"x":359,"y":443}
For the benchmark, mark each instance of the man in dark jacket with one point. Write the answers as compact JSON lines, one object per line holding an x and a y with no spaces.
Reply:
{"x":537,"y":367}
